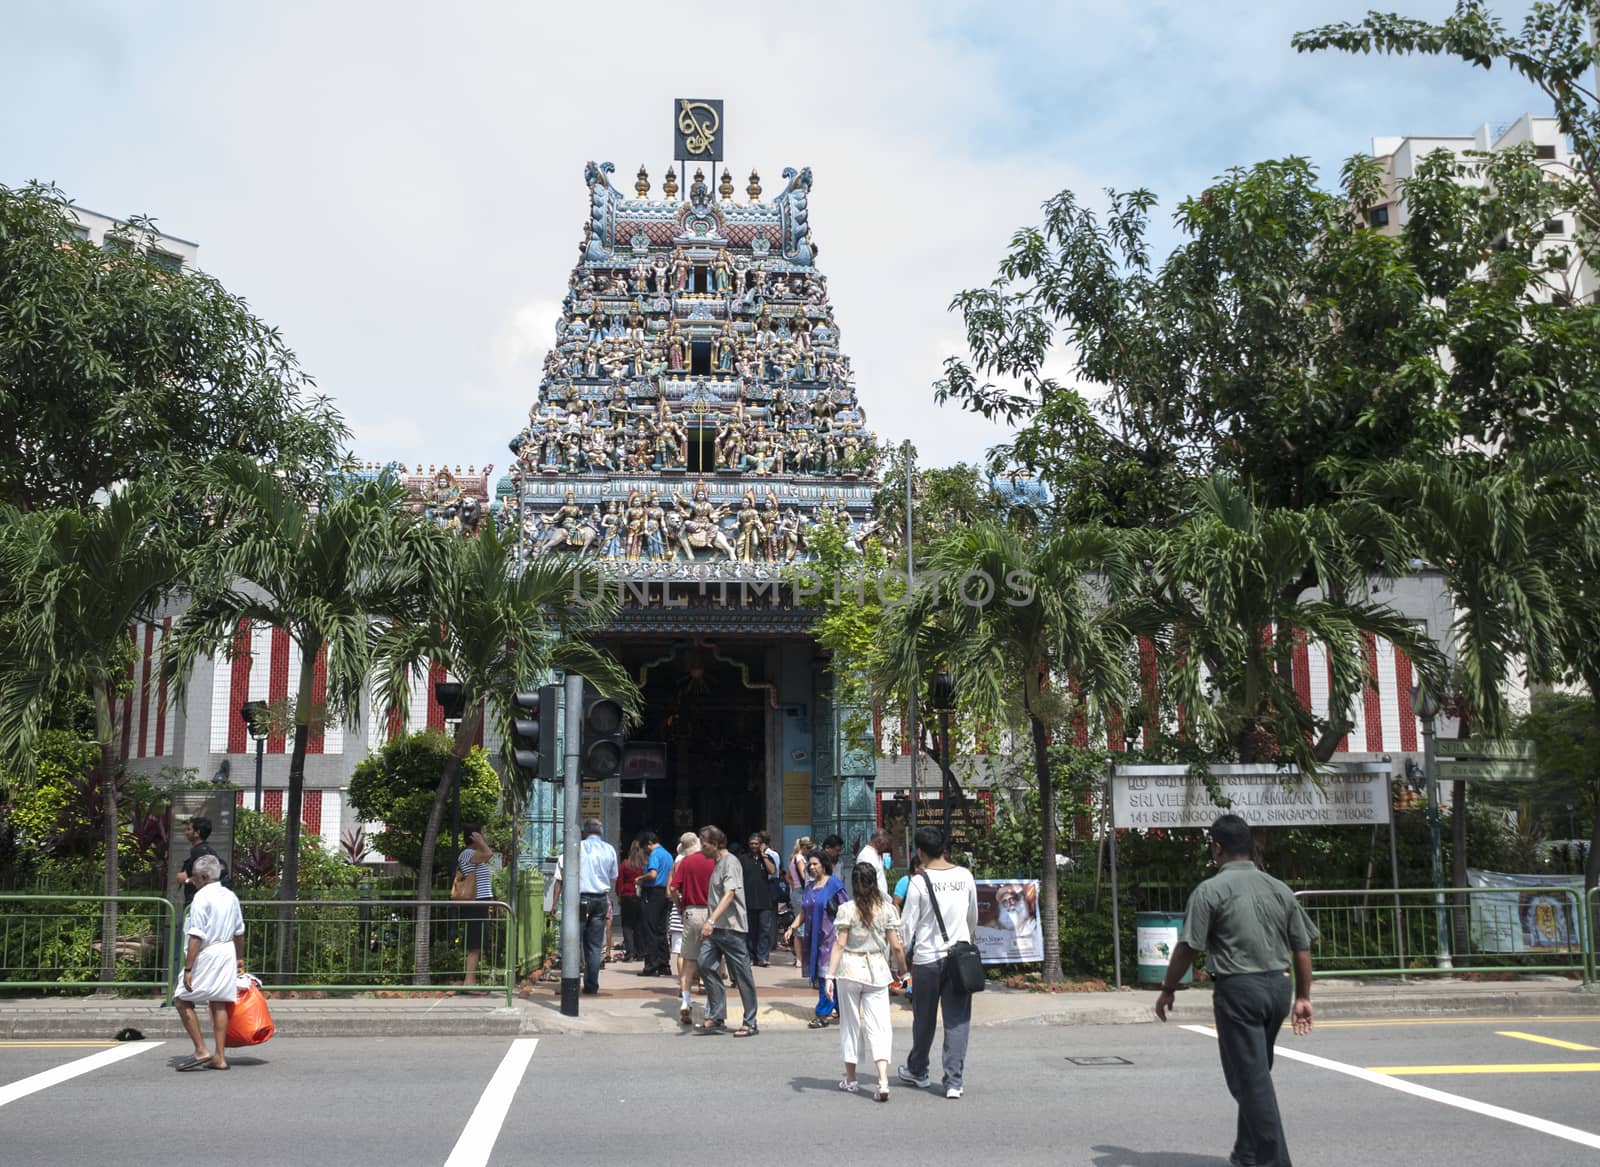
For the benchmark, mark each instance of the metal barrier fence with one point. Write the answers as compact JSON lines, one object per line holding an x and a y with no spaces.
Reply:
{"x":1592,"y":923}
{"x":355,"y":946}
{"x":1407,"y":931}
{"x":58,"y":941}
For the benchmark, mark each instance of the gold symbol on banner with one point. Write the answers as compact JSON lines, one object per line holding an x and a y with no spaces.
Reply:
{"x":698,"y":123}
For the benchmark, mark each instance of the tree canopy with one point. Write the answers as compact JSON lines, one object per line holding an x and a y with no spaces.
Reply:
{"x":113,"y":367}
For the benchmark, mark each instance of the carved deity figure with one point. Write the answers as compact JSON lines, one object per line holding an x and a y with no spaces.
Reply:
{"x":700,"y":530}
{"x":658,"y":271}
{"x":655,"y":525}
{"x":566,"y":526}
{"x":750,"y":543}
{"x":675,"y":348}
{"x":680,"y":269}
{"x":611,"y":532}
{"x":724,"y":273}
{"x":724,"y":349}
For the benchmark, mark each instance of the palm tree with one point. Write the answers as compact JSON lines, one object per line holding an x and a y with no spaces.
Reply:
{"x":1224,"y":594}
{"x":322,"y":570}
{"x":72,"y":583}
{"x":495,"y":626}
{"x":1006,"y":616}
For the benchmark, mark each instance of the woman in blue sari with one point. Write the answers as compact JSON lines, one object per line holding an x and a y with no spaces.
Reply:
{"x":823,"y":895}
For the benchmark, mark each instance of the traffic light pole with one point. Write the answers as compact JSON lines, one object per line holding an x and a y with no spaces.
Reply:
{"x":571,"y":795}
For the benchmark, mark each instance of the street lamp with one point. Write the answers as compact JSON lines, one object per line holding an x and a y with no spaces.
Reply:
{"x":941,"y":696}
{"x":1427,"y":708}
{"x":254,"y":716}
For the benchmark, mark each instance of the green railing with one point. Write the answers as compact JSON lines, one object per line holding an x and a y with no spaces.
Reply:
{"x":1407,"y":931}
{"x":360,"y":945}
{"x":1592,"y":923}
{"x":58,"y":941}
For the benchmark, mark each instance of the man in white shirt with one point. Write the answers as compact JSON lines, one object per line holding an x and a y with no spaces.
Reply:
{"x":212,"y":962}
{"x":939,"y":992}
{"x":597,"y":874}
{"x":877,"y":846}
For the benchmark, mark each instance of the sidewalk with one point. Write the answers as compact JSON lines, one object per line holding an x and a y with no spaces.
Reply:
{"x":629,"y":1004}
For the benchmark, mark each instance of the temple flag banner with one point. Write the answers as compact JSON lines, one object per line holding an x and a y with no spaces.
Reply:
{"x":1008,"y":921}
{"x":1170,"y":797}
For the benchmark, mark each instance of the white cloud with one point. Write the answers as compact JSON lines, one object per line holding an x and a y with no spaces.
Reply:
{"x":399,"y":188}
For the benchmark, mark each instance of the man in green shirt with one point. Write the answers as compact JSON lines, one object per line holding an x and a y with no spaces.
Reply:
{"x":1252,"y":929}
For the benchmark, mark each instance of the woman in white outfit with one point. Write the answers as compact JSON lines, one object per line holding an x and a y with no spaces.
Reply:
{"x":866,"y":933}
{"x":212,"y":963}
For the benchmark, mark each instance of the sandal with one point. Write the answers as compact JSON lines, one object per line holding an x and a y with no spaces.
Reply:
{"x":685,"y":1017}
{"x":746,"y":1031}
{"x":883,"y":1092}
{"x":711,"y":1026}
{"x":817,"y":1023}
{"x":849,"y":1087}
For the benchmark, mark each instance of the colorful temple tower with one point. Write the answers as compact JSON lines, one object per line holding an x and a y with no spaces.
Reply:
{"x":696,"y":422}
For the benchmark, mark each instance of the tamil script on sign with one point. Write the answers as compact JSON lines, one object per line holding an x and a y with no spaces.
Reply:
{"x":1264,"y":797}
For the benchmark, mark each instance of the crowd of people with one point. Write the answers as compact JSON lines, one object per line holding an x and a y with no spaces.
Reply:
{"x":709,"y":911}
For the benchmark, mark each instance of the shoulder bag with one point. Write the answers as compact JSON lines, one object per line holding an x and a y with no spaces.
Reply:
{"x":962,"y":961}
{"x":464,"y":886}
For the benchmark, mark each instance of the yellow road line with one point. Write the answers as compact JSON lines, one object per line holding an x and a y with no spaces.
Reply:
{"x":1398,"y":1021}
{"x":1555,"y":1041}
{"x":1514,"y":1068}
{"x":57,"y":1044}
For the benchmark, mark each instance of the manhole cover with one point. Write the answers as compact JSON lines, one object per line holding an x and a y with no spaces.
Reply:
{"x":1109,"y":1061}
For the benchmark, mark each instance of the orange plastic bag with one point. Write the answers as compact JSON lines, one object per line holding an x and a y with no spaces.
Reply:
{"x":249,"y":1023}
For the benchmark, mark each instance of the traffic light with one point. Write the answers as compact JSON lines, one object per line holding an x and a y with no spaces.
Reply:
{"x":534,"y":737}
{"x":601,"y":740}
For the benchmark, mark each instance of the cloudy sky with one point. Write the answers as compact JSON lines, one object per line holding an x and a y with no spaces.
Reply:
{"x":399,"y":186}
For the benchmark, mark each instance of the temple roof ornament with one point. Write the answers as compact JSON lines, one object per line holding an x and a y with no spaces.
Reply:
{"x":696,"y":406}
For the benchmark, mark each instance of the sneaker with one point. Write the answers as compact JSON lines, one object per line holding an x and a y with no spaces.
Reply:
{"x":952,"y":1091}
{"x":911,"y":1079}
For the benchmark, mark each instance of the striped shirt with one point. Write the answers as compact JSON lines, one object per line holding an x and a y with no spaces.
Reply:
{"x":479,"y":870}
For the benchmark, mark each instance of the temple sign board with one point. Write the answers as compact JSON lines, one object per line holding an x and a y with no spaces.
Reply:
{"x":697,"y":129}
{"x":1170,"y":797}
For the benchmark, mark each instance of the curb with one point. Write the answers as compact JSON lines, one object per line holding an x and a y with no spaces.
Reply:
{"x":318,"y":1020}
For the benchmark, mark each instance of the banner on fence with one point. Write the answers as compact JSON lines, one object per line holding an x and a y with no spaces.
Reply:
{"x":1265,"y":796}
{"x":1008,"y":921}
{"x":1528,"y":917}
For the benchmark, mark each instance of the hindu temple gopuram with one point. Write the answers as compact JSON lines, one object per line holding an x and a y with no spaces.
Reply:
{"x":696,"y":421}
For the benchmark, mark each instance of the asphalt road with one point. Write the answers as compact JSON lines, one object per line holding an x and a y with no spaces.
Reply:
{"x":1146,"y":1096}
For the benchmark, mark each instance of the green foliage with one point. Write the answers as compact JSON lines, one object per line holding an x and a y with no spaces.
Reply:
{"x":396,"y":785}
{"x":43,"y":804}
{"x":259,"y":843}
{"x":1556,"y":50}
{"x":113,"y":368}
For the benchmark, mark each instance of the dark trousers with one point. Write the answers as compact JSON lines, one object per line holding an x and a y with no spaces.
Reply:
{"x":630,"y":927}
{"x":724,"y":947}
{"x":592,"y":924}
{"x":939,"y":994}
{"x":759,"y":939}
{"x":1249,"y":1009}
{"x":653,"y":910}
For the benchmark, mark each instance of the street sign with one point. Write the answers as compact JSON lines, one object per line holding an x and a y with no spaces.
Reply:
{"x":1486,"y":770}
{"x":1478,"y":749}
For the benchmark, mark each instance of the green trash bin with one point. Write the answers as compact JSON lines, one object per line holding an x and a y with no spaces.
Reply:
{"x":1156,"y":935}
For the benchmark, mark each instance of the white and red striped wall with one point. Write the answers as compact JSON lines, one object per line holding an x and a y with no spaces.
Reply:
{"x":149,"y":719}
{"x":265,"y":667}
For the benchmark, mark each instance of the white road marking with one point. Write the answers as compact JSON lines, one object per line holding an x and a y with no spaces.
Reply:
{"x":477,"y":1140}
{"x":69,"y":1070}
{"x":1488,"y":1110}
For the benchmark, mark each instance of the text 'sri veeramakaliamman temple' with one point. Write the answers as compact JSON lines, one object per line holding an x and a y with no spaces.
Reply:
{"x":696,"y":421}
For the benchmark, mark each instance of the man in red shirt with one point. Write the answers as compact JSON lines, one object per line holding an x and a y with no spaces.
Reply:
{"x":689,"y":885}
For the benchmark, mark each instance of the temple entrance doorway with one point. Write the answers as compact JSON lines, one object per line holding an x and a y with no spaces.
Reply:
{"x":714,"y":727}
